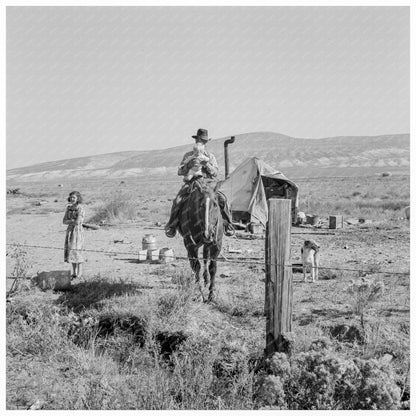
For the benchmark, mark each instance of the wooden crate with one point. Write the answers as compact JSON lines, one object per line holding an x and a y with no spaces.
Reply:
{"x":336,"y":221}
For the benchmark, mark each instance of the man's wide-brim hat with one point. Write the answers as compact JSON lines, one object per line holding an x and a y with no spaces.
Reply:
{"x":202,"y":134}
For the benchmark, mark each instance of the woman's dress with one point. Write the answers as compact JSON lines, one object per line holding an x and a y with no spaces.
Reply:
{"x":74,"y":239}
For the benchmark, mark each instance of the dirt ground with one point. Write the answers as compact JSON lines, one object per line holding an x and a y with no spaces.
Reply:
{"x":377,"y":249}
{"x":113,"y":250}
{"x":372,"y":249}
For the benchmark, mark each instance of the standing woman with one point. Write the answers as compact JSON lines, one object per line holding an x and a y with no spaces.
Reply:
{"x":74,"y":239}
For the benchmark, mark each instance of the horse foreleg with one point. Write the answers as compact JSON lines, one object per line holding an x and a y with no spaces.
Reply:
{"x":214,"y":252}
{"x":193,"y":260}
{"x":195,"y":266}
{"x":212,"y":271}
{"x":206,"y":253}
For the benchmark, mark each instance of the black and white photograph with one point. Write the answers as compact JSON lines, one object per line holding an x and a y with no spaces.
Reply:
{"x":207,"y":206}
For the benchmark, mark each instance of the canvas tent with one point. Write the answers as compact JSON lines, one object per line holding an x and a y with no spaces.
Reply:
{"x":250,"y":185}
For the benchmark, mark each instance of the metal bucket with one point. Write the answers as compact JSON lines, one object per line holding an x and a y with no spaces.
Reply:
{"x":149,"y":242}
{"x":166,"y":255}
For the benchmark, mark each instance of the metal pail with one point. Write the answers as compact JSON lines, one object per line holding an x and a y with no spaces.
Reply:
{"x":166,"y":255}
{"x":149,"y":242}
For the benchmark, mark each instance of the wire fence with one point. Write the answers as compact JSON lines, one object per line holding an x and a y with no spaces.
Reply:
{"x":246,"y":260}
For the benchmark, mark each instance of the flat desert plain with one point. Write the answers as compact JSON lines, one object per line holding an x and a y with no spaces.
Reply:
{"x":373,"y":245}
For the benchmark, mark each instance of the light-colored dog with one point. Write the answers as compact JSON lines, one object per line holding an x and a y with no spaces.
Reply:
{"x":310,"y":257}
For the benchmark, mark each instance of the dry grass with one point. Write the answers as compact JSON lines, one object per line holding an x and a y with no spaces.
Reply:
{"x":121,"y":207}
{"x":375,"y":198}
{"x":119,"y":343}
{"x":108,"y":355}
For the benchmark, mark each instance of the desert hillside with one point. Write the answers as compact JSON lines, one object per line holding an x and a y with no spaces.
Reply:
{"x":298,"y":157}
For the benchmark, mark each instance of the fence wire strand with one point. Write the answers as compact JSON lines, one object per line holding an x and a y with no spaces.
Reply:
{"x":247,"y":260}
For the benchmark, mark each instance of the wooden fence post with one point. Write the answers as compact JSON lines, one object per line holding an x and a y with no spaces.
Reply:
{"x":279,"y":292}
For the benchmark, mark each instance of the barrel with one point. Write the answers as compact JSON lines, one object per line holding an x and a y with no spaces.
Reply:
{"x":149,"y":242}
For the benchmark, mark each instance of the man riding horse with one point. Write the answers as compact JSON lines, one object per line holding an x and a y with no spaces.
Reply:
{"x":198,"y":163}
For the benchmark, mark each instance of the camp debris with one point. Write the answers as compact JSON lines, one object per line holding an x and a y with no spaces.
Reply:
{"x":249,"y":187}
{"x":91,"y":226}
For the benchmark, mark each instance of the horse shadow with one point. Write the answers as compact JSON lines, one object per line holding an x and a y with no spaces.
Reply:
{"x":90,"y":294}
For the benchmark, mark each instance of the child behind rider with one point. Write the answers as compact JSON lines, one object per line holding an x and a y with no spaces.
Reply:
{"x":197,"y":157}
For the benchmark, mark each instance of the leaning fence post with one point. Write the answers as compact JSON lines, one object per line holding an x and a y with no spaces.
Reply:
{"x":279,"y":292}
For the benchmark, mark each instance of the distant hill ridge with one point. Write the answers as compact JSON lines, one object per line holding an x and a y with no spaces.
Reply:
{"x":289,"y":154}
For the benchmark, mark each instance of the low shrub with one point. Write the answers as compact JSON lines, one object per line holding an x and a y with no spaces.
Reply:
{"x":320,"y":379}
{"x":121,"y":207}
{"x":21,"y":266}
{"x":363,"y":292}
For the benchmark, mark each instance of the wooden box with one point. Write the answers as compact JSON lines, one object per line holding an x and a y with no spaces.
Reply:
{"x":336,"y":221}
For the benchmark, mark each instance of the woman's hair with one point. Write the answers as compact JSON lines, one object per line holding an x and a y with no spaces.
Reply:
{"x":77,"y":194}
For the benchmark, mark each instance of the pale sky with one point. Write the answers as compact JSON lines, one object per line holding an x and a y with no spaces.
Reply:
{"x":90,"y":80}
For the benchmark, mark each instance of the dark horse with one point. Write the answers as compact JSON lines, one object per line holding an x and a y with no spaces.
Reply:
{"x":200,"y":224}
